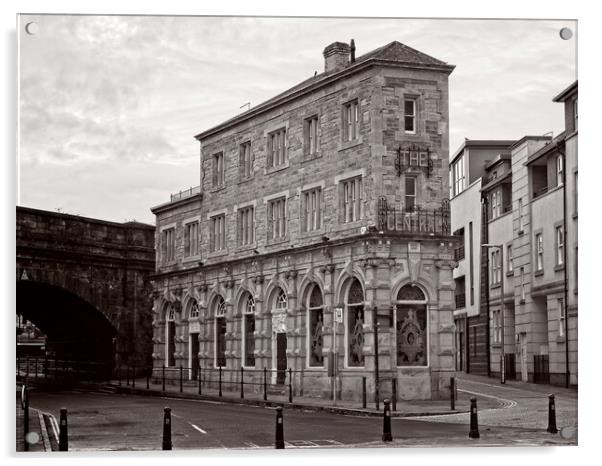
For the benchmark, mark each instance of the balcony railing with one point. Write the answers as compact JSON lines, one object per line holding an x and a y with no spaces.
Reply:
{"x":416,"y":220}
{"x":186,"y":193}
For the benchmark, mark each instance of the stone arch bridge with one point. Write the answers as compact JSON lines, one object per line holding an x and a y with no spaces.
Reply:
{"x":85,"y":283}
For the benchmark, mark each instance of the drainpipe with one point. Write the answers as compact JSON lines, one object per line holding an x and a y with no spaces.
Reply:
{"x":485,"y":283}
{"x":566,"y":266}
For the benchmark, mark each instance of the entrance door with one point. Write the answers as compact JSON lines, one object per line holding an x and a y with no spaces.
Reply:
{"x":171,"y":342}
{"x":194,"y":356}
{"x":523,"y":357}
{"x":280,"y":358}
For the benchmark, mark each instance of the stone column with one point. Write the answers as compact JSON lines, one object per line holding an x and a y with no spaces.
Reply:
{"x":292,"y":343}
{"x":442,"y":330}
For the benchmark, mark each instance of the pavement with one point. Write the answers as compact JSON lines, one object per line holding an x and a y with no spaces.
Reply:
{"x":118,"y":417}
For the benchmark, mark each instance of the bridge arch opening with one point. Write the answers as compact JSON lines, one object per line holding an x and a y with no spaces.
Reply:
{"x":75,"y":330}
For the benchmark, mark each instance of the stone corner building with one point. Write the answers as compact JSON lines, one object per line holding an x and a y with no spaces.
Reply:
{"x":319,"y":235}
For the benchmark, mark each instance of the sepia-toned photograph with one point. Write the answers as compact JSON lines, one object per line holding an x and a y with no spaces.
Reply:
{"x":255,"y":233}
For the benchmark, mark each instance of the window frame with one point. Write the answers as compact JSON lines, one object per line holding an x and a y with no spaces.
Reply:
{"x":406,"y":196}
{"x":561,"y":317}
{"x":280,"y":154}
{"x":559,"y":170}
{"x":311,"y":137}
{"x":351,"y":126}
{"x":217,"y":230}
{"x":277,"y":205}
{"x":169,"y":244}
{"x":245,"y":226}
{"x":308,"y":198}
{"x":559,"y":244}
{"x":189,"y":240}
{"x":246,"y":161}
{"x":351,"y":199}
{"x":412,"y":117}
{"x":219,"y":170}
{"x":539,"y":252}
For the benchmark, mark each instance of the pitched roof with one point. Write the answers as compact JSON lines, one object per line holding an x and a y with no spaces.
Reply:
{"x":393,"y":53}
{"x":396,"y":51}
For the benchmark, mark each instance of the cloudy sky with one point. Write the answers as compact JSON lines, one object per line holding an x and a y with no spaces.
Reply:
{"x":109,"y":105}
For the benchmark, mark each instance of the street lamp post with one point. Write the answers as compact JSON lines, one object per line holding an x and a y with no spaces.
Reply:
{"x":502,"y":323}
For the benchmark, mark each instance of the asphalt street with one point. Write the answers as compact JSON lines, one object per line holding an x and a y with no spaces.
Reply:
{"x":99,"y":421}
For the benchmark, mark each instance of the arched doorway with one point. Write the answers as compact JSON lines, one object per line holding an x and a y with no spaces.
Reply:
{"x":219,"y":310}
{"x":411,"y":327}
{"x":194,"y":329}
{"x":315,"y":325}
{"x":247,"y":304}
{"x":170,"y":335}
{"x":354,"y":326}
{"x":279,"y":307}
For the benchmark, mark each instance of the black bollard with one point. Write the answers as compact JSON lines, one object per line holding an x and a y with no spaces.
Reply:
{"x":220,"y":380}
{"x":474,"y":423}
{"x":290,"y":385}
{"x":394,"y":394}
{"x":552,"y":415}
{"x":133,"y":377}
{"x":242,"y":382}
{"x":63,"y":433}
{"x":279,"y":429}
{"x":167,"y":429}
{"x":452,"y":393}
{"x":163,"y":377}
{"x":364,"y":401}
{"x":387,"y":422}
{"x":265,"y":384}
{"x":148,"y":374}
{"x":181,"y":380}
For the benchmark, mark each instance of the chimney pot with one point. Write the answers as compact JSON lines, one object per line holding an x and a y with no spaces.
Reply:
{"x":336,"y":56}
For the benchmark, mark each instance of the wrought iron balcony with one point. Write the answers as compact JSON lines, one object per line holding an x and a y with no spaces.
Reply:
{"x":416,"y":220}
{"x":186,"y":193}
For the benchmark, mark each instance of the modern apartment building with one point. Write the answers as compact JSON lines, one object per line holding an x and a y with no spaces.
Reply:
{"x":528,"y":213}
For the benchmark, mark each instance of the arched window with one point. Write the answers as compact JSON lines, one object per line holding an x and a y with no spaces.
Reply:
{"x":315,"y":319}
{"x":170,"y":334}
{"x":194,"y":310}
{"x":411,"y":327}
{"x":220,"y":331}
{"x":355,"y":324}
{"x":281,"y":301}
{"x":248,"y":343}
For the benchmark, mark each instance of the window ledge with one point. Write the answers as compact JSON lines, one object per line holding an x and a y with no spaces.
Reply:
{"x":574,"y":216}
{"x":558,"y":267}
{"x":246,"y":247}
{"x":560,"y":339}
{"x":311,"y":157}
{"x":521,"y":301}
{"x":349,"y":144}
{"x":521,"y":232}
{"x":273,"y":242}
{"x":311,"y":233}
{"x":221,"y":252}
{"x":245,"y":180}
{"x":495,"y":285}
{"x":284,"y":166}
{"x":510,"y":273}
{"x":217,"y":188}
{"x":189,"y":259}
{"x":496,"y":345}
{"x":538,"y":273}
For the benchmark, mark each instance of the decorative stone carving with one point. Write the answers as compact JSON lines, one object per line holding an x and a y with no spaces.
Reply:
{"x":279,"y":322}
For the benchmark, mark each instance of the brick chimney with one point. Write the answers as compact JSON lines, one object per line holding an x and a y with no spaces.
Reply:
{"x":336,"y":56}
